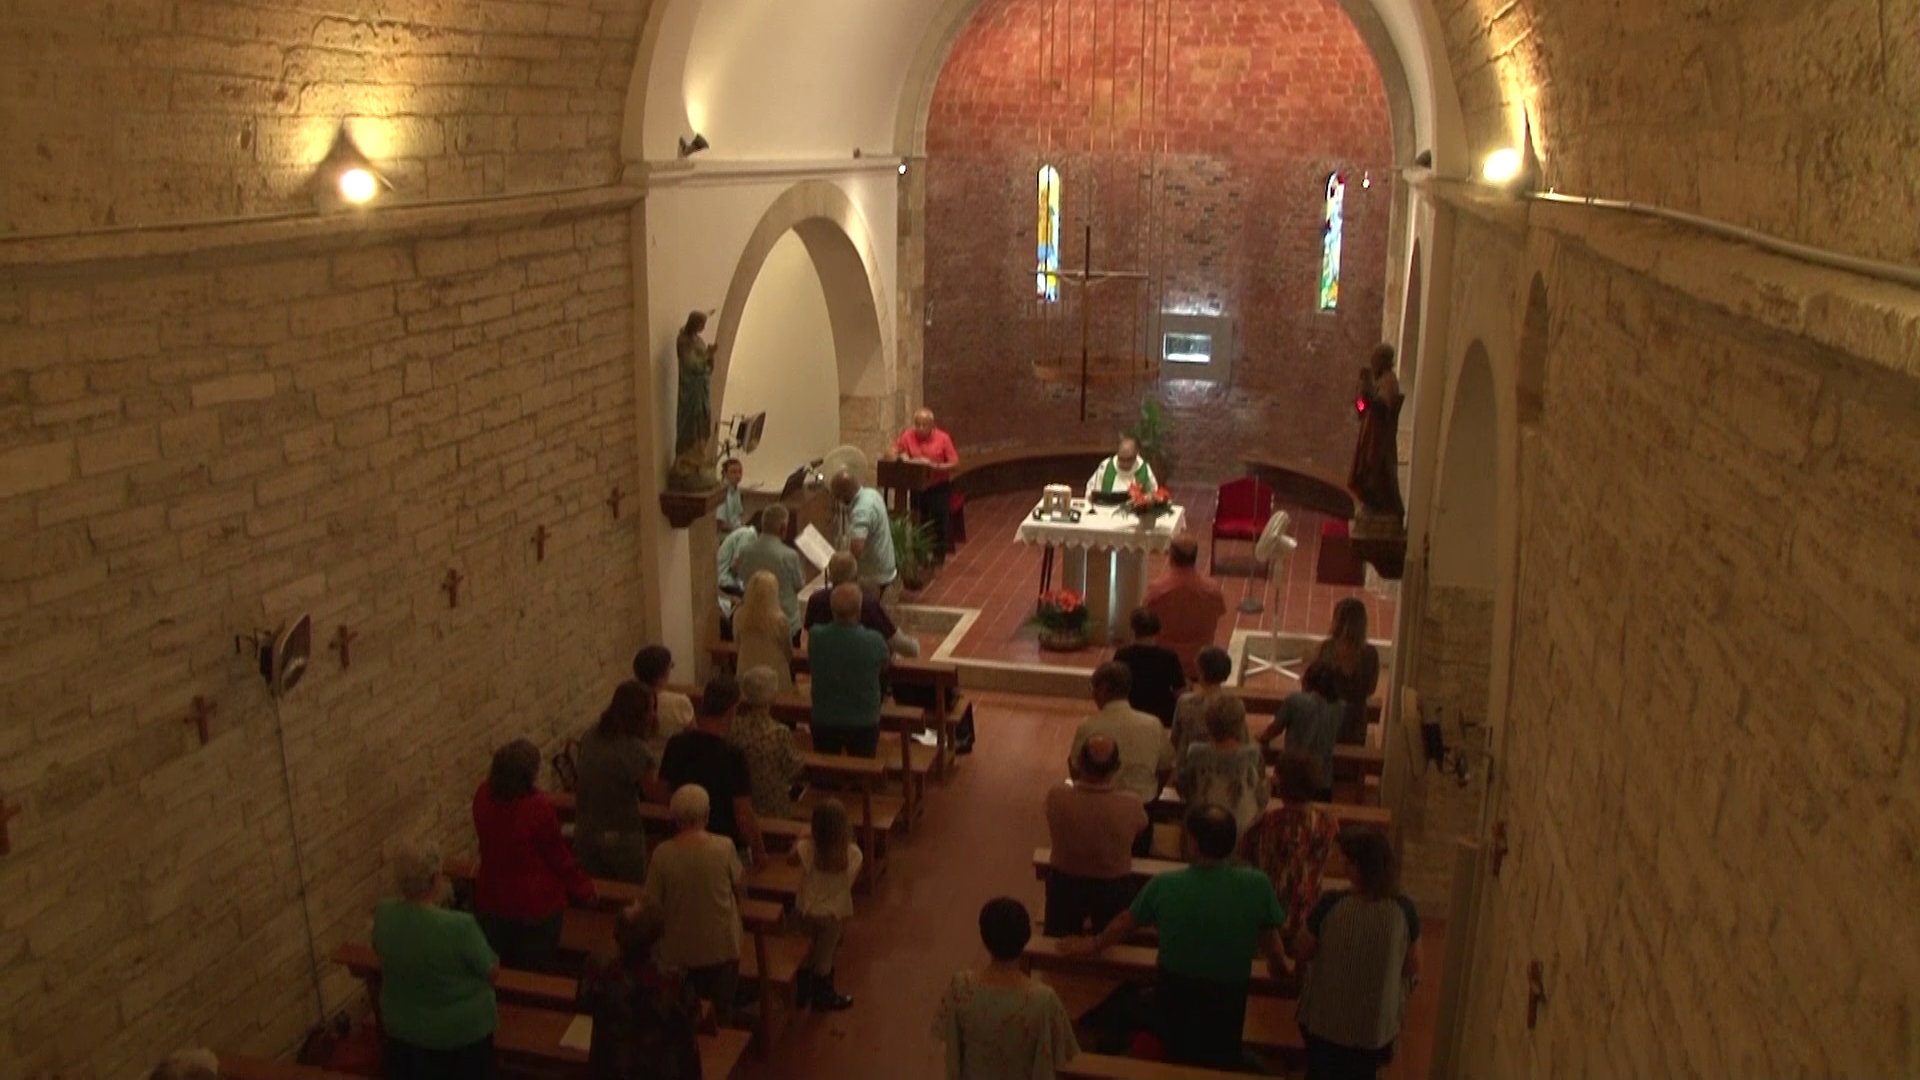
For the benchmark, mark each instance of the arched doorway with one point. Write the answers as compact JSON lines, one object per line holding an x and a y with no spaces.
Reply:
{"x":1466,"y":499}
{"x":802,"y":329}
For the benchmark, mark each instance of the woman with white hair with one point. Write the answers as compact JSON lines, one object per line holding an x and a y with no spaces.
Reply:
{"x":774,"y":764}
{"x":695,"y":878}
{"x":437,"y":1010}
{"x":761,"y":631}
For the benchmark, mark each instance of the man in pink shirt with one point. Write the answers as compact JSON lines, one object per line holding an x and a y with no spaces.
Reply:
{"x":1189,"y":604}
{"x":926,"y":444}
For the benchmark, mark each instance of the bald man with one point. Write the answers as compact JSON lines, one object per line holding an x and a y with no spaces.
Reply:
{"x":848,"y":662}
{"x":866,"y":533}
{"x":1093,"y":824}
{"x":841,"y":569}
{"x":926,"y":444}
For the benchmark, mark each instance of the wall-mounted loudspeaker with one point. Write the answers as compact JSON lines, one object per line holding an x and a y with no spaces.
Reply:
{"x":283,"y":658}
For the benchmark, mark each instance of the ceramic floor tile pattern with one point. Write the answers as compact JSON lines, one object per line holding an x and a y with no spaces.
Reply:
{"x":999,"y":577}
{"x":919,"y":925}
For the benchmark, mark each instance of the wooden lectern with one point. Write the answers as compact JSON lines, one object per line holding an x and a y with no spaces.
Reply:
{"x":900,"y":480}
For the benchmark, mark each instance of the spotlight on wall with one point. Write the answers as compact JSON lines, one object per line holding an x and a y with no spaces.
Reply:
{"x":903,"y":166}
{"x":1503,"y":166}
{"x":688,"y":148}
{"x":346,"y":179}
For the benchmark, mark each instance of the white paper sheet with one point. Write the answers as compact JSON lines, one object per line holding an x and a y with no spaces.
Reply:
{"x":579,"y":1034}
{"x":814,"y":547}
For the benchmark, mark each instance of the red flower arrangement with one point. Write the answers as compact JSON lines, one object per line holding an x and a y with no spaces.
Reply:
{"x":1148,"y":504}
{"x":1061,"y":610}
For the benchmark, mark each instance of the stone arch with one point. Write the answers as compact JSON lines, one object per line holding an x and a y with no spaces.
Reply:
{"x":1412,"y":326}
{"x":1467,"y":497}
{"x":1530,"y":369}
{"x":841,"y":248}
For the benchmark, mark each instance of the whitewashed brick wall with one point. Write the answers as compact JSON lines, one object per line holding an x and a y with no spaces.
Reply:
{"x":1433,"y":810}
{"x":122,"y":113}
{"x":1801,"y":119}
{"x":192,"y":454}
{"x":1711,"y":780}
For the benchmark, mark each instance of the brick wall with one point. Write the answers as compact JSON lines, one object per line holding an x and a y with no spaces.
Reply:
{"x":1252,"y":104}
{"x":1801,"y":119}
{"x":134,"y":113}
{"x":196,"y":453}
{"x":1710,"y":758}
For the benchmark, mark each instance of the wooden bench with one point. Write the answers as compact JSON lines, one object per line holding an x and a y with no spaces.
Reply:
{"x":1149,"y":868}
{"x":873,"y":813}
{"x":796,"y":710}
{"x":939,"y":677}
{"x":1108,"y":1067}
{"x":535,"y":1011}
{"x":777,"y":880}
{"x":1135,"y":963}
{"x":239,"y":1067}
{"x":779,"y":833}
{"x":533,"y":1036}
{"x":1170,"y":807}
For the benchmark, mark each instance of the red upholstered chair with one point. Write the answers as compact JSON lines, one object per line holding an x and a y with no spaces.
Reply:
{"x":956,"y":520}
{"x":1240,"y":510}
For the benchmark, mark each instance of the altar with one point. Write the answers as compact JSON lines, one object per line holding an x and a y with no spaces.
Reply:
{"x":1103,"y":556}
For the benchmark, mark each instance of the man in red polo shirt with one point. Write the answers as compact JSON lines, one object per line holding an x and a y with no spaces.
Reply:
{"x":926,"y":444}
{"x":1190,"y":605}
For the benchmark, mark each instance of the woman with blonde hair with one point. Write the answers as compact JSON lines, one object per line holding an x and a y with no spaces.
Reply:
{"x":761,"y":631}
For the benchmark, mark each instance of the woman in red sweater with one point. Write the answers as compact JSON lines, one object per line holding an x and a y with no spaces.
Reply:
{"x":527,"y":871}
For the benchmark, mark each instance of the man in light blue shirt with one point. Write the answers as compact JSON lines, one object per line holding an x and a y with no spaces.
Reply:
{"x":768,"y":551}
{"x":732,"y":583}
{"x":867,"y":534}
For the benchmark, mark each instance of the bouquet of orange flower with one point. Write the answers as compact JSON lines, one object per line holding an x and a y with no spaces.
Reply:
{"x":1061,"y":611}
{"x":1148,"y":504}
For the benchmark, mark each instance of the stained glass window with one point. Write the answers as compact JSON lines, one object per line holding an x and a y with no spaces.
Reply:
{"x":1330,"y":242}
{"x":1046,"y":280}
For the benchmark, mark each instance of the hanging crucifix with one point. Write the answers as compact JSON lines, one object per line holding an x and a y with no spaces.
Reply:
{"x":1088,"y":279}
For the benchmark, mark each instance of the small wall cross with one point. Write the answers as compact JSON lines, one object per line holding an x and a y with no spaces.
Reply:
{"x":451,"y":586}
{"x":342,"y":641}
{"x":613,"y":501}
{"x":203,"y":711}
{"x":540,"y":544}
{"x":8,"y":811}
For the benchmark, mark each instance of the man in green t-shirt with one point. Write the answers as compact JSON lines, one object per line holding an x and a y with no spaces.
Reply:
{"x":848,"y":661}
{"x":1211,"y":916}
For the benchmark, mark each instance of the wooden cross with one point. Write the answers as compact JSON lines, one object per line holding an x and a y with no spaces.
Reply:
{"x":540,"y":544}
{"x":203,"y":711}
{"x":613,"y":500}
{"x":451,"y":586}
{"x":8,"y":811}
{"x":1088,"y":279}
{"x":342,"y":639}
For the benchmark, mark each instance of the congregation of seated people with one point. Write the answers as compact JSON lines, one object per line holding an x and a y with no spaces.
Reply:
{"x":1254,"y":843}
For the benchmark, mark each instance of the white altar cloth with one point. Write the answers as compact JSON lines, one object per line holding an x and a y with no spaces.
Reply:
{"x":1104,"y":558}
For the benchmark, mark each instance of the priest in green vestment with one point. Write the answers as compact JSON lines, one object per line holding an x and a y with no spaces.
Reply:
{"x":1120,"y":471}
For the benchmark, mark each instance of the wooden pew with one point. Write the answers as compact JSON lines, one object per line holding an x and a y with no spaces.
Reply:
{"x":532,"y":1036}
{"x":1147,"y":868}
{"x":1135,"y":963}
{"x":239,"y":1067}
{"x":796,"y":710}
{"x":535,"y":1011}
{"x":1108,"y":1067}
{"x":873,"y":814}
{"x":939,"y":677}
{"x":779,"y":833}
{"x":777,"y":880}
{"x":1171,"y":807}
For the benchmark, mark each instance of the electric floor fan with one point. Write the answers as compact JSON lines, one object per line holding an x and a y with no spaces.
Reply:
{"x":1276,"y":543}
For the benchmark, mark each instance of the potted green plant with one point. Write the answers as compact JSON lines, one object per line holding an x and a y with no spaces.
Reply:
{"x":1149,"y":431}
{"x":912,"y":551}
{"x":1061,"y":616}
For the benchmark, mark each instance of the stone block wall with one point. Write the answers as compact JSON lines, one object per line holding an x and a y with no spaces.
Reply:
{"x":201,"y":448}
{"x":1799,"y":119}
{"x":1432,"y":808}
{"x":1710,"y":772}
{"x":1196,"y":138}
{"x":145,"y":112}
